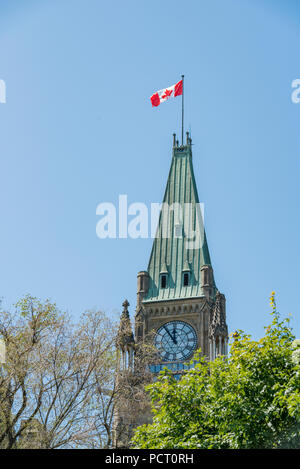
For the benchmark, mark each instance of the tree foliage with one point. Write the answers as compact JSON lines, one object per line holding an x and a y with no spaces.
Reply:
{"x":61,"y":386}
{"x":249,"y":400}
{"x":56,"y":385}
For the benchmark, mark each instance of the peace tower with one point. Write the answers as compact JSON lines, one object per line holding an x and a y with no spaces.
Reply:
{"x":178,"y":303}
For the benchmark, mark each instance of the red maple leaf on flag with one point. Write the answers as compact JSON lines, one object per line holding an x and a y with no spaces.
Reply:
{"x":167,"y":94}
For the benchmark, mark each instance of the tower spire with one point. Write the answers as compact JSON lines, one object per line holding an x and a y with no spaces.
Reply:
{"x":125,"y":339}
{"x":218,"y":331}
{"x":180,"y":244}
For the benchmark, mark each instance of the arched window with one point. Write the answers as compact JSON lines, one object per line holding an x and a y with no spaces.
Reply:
{"x":163,"y":281}
{"x":186,"y":279}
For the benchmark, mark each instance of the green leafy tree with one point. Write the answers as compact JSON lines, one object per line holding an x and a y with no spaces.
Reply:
{"x":249,"y":400}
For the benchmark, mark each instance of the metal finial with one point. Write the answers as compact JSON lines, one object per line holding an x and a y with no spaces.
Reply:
{"x":187,"y":138}
{"x":125,"y":305}
{"x":174,"y":140}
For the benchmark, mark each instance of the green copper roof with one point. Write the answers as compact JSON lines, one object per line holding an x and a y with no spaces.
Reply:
{"x":173,"y":255}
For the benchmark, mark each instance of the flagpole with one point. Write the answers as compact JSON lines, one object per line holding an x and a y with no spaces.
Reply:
{"x":182,"y":114}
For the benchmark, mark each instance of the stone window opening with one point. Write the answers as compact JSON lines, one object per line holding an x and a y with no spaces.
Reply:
{"x":186,"y":279}
{"x":163,"y":281}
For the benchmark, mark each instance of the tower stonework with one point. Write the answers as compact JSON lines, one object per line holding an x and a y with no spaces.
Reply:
{"x":178,"y":304}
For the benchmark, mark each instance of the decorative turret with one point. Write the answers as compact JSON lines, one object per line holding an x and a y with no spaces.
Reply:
{"x":142,"y":287}
{"x":218,"y":331}
{"x":125,"y":340}
{"x":207,"y":281}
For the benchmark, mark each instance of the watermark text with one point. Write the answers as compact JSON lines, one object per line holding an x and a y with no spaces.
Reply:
{"x":176,"y":220}
{"x":2,"y":92}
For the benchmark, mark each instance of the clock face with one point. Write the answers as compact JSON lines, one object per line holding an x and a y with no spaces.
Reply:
{"x":175,"y":340}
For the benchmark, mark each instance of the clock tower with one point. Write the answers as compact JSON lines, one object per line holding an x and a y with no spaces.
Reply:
{"x":177,"y":296}
{"x":178,"y":303}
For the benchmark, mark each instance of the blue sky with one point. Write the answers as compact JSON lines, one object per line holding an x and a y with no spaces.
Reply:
{"x":78,"y":129}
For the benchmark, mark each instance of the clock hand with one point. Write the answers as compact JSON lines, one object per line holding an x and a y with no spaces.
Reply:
{"x":169,"y":334}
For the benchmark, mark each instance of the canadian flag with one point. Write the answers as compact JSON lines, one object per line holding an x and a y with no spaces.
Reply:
{"x":171,"y":92}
